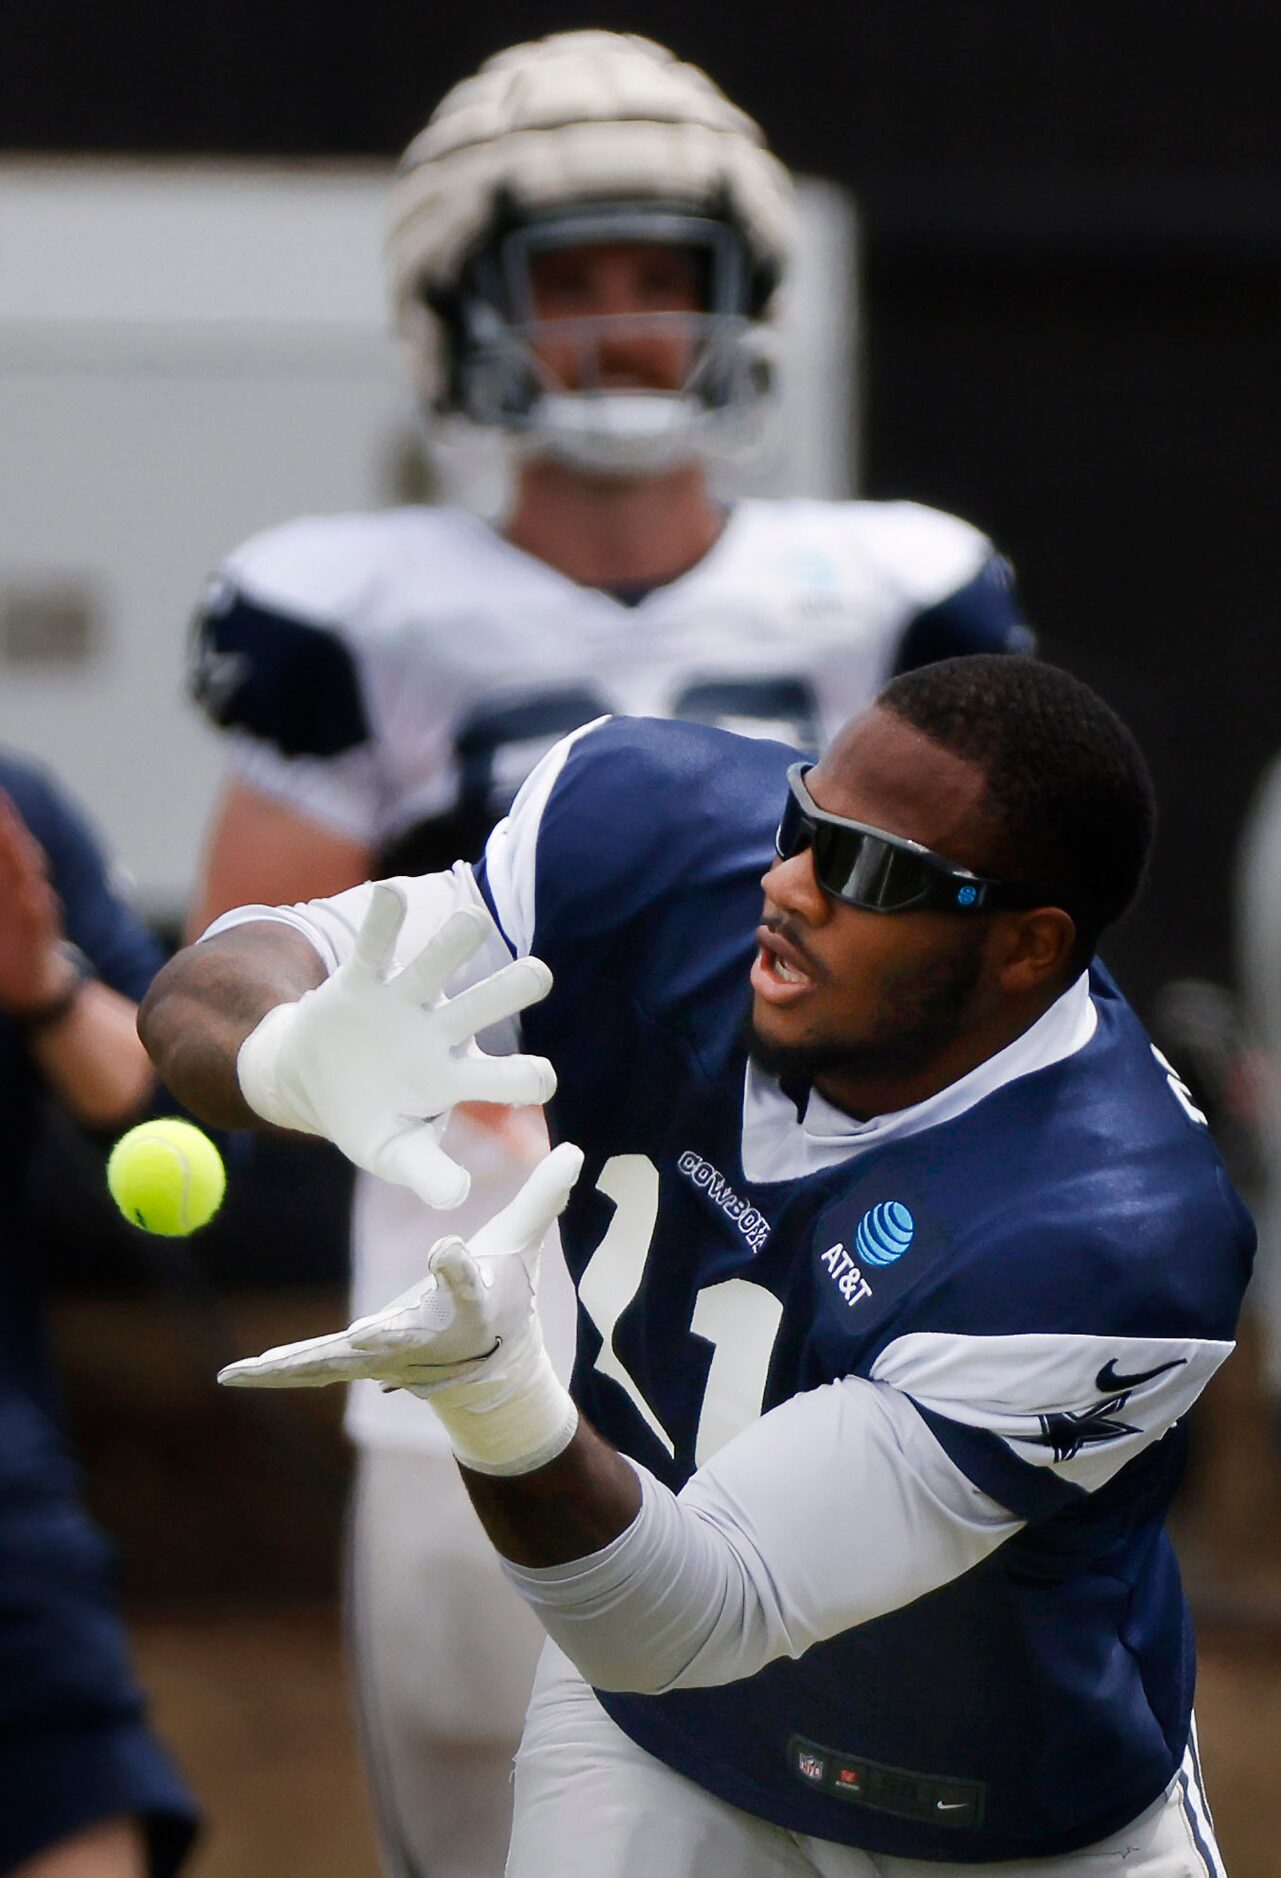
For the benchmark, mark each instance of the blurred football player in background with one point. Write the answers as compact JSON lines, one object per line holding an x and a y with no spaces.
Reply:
{"x":587,"y":249}
{"x":85,"y":1790}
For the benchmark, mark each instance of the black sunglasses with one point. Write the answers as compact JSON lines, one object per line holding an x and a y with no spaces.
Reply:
{"x":883,"y":873}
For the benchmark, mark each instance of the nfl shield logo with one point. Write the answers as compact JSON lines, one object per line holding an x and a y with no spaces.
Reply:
{"x":810,"y":1765}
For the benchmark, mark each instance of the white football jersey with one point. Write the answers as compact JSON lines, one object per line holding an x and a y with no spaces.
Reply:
{"x":395,"y":676}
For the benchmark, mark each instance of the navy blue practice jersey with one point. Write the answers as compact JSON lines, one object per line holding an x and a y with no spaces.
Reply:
{"x":1048,"y":1268}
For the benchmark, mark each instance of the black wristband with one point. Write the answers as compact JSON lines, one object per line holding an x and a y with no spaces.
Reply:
{"x":45,"y":1016}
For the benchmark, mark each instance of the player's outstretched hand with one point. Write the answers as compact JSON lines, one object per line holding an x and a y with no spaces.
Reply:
{"x":477,"y":1297}
{"x":467,"y":1337}
{"x":375,"y":1057}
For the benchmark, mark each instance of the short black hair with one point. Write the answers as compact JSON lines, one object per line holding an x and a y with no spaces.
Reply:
{"x":1069,"y":797}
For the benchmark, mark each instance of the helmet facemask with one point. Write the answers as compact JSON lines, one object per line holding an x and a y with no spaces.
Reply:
{"x":710,"y":404}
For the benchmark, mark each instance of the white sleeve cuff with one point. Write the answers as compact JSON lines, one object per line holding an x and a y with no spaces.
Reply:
{"x":331,"y":925}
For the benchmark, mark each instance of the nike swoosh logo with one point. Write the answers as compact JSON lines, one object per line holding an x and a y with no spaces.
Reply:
{"x":1109,"y":1381}
{"x":950,"y":1806}
{"x":481,"y":1356}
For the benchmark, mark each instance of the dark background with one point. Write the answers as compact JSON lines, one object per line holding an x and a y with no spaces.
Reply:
{"x":1072,"y":216}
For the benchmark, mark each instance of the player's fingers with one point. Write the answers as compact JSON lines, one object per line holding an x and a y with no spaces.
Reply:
{"x":427,"y":973}
{"x":379,"y":930}
{"x":414,"y":1319}
{"x":517,"y":1081}
{"x":305,"y":1376}
{"x":504,"y":992}
{"x":406,"y":1301}
{"x":454,"y":1266}
{"x":525,"y":1219}
{"x":306,"y":1365}
{"x":416,"y":1160}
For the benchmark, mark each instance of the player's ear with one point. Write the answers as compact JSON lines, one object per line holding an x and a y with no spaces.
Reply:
{"x":1036,"y":946}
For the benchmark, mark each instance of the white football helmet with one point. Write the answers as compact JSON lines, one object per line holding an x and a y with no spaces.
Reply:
{"x":580,"y":138}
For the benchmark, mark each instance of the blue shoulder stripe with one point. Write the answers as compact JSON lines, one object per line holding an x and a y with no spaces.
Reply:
{"x":983,"y":616}
{"x":289,"y":682}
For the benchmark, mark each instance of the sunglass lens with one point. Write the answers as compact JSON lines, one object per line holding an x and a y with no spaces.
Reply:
{"x":859,"y":868}
{"x":793,"y":835}
{"x":865,"y":872}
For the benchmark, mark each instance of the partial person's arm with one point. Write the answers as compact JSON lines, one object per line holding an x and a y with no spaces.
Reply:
{"x":92,"y":1061}
{"x":838,"y":1506}
{"x":251,"y":1026}
{"x":261,"y":851}
{"x":221,"y":1021}
{"x":844,"y":1503}
{"x":832,"y":1509}
{"x":79,"y":1033}
{"x":206,"y":1001}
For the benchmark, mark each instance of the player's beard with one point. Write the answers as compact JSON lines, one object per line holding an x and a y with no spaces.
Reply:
{"x":917,"y":1021}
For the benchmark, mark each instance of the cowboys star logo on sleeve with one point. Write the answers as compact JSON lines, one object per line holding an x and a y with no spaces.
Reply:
{"x":1067,"y":1431}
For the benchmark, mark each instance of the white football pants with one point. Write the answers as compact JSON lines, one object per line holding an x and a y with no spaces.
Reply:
{"x":443,"y":1653}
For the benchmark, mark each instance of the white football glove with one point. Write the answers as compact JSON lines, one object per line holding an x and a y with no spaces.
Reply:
{"x":374,"y":1058}
{"x":466,"y":1337}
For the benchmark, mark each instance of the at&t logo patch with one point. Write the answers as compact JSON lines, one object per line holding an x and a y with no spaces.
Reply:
{"x":884,"y":1233}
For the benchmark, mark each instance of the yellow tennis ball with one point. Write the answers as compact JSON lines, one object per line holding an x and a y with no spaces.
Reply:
{"x":167,"y":1177}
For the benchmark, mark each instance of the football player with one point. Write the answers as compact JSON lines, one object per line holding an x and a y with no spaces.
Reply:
{"x":902,"y":1256}
{"x":587,"y":249}
{"x":86,"y":1790}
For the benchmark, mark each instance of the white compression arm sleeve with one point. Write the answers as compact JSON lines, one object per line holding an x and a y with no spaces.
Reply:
{"x":331,"y":925}
{"x":834,"y":1508}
